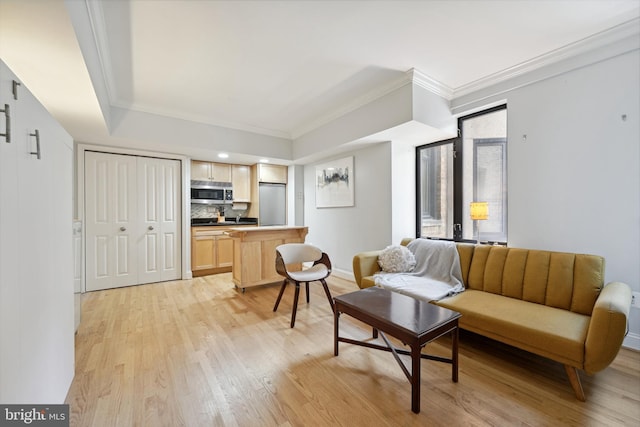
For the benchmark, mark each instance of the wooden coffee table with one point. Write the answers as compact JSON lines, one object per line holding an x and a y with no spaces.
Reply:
{"x":413,"y":322}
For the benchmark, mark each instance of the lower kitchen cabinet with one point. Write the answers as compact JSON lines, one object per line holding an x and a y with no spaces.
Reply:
{"x":225,"y":251}
{"x":211,"y":250}
{"x":203,"y":251}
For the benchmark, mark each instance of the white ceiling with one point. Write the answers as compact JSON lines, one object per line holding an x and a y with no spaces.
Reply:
{"x":277,"y":68}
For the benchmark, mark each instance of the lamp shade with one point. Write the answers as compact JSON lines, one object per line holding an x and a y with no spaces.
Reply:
{"x":479,"y":210}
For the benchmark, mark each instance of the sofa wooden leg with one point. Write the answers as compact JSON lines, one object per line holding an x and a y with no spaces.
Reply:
{"x":574,"y":379}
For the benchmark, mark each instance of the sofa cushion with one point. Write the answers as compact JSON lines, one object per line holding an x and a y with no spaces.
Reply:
{"x":557,"y":279}
{"x":547,"y":331}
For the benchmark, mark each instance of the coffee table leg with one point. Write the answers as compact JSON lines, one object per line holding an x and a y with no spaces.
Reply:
{"x":454,"y":355}
{"x":336,"y":318}
{"x":415,"y":378}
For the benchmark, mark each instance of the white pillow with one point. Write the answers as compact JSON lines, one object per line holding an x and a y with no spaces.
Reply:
{"x":396,"y":259}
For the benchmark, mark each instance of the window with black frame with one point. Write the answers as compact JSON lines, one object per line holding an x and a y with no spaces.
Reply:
{"x":454,"y":173}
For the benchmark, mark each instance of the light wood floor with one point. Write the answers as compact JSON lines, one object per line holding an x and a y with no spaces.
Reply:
{"x":200,"y":353}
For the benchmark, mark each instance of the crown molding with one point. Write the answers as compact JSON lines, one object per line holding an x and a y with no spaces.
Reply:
{"x":365,"y":99}
{"x":429,"y":83}
{"x":603,"y":38}
{"x":412,"y":76}
{"x":99,"y":34}
{"x":176,"y":115}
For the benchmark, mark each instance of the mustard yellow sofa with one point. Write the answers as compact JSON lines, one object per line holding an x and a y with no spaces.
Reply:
{"x":553,"y":304}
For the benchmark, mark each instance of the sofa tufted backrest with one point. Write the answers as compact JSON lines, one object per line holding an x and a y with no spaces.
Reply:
{"x":557,"y":279}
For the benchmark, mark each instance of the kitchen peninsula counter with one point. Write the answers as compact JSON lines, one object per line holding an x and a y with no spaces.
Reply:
{"x":254,"y":252}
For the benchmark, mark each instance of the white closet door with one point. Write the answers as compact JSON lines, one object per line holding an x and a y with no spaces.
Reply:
{"x":111,"y":220}
{"x":36,"y":290}
{"x":158,"y":187}
{"x":11,"y":301}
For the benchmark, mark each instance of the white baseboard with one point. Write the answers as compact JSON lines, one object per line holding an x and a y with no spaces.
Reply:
{"x":343,"y":274}
{"x":632,"y":341}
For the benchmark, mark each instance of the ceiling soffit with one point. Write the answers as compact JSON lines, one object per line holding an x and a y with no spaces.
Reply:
{"x":95,"y":15}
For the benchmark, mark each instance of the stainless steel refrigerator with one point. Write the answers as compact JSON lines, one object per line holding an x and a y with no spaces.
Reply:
{"x":273,"y":204}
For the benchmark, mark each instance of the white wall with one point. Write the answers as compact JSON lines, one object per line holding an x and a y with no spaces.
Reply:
{"x":393,"y":109}
{"x":403,"y":191}
{"x":574,"y":182}
{"x":160,"y":133}
{"x":345,"y":231}
{"x":295,"y":195}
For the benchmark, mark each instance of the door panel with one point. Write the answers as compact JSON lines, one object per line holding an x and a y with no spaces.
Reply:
{"x":125,"y":176}
{"x":159,"y":195}
{"x":152,"y":248}
{"x":148,"y":200}
{"x":172,"y":220}
{"x":109,"y":209}
{"x":101,"y":254}
{"x":171,"y":192}
{"x":122,"y":256}
{"x":170,"y":256}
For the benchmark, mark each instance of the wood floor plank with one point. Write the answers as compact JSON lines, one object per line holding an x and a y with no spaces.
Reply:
{"x":200,"y":353}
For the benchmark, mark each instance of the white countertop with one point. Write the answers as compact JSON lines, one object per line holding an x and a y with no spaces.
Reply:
{"x":267,"y":228}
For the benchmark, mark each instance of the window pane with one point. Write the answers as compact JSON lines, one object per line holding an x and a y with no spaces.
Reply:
{"x":436,"y":191}
{"x":485,"y":174}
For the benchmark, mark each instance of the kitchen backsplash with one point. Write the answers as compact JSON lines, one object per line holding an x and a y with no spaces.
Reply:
{"x":208,"y":211}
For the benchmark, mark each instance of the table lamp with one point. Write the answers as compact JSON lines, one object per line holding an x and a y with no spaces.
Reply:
{"x":479,"y":211}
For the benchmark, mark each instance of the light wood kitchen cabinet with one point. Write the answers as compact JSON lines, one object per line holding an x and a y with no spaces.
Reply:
{"x":241,"y":181}
{"x":225,"y":251}
{"x":200,"y":171}
{"x":203,"y":250}
{"x":272,"y":173}
{"x":211,"y":250}
{"x":209,"y":171}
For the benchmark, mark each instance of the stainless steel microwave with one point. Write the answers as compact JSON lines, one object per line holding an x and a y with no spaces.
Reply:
{"x":207,"y":194}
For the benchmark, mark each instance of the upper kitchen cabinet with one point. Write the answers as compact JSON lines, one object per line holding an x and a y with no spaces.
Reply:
{"x":241,"y":181}
{"x":272,"y":173}
{"x":208,"y":171}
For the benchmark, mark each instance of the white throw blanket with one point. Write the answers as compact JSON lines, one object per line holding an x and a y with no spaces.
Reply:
{"x":437,"y":273}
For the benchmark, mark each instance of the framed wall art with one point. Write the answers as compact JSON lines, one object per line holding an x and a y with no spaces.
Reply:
{"x":335,"y":183}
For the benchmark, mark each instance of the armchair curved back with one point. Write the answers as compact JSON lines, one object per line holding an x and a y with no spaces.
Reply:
{"x":296,"y":253}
